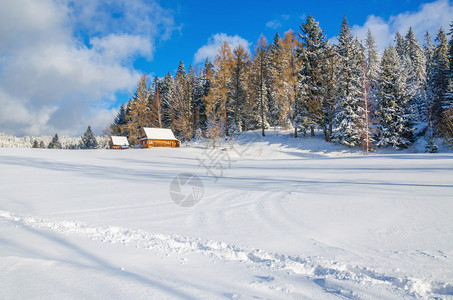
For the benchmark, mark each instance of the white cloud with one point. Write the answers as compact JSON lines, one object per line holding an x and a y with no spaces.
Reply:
{"x":214,"y":42}
{"x":51,"y":81}
{"x":274,"y":24}
{"x":117,"y":47}
{"x":430,"y":16}
{"x":278,"y":22}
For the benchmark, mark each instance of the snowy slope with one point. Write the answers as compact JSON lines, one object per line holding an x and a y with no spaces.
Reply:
{"x":277,"y":221}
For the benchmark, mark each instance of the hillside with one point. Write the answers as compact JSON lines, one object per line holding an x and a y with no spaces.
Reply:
{"x":277,"y":218}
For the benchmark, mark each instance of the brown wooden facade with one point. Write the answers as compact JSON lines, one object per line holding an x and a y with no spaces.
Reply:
{"x":150,"y":143}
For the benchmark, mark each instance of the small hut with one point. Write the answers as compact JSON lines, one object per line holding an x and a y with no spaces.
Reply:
{"x":158,"y":137}
{"x":119,"y":142}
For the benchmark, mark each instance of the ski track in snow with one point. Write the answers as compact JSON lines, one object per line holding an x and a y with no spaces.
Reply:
{"x":317,"y":268}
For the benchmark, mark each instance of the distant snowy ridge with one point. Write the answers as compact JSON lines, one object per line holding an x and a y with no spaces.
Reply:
{"x":317,"y":268}
{"x":10,"y":141}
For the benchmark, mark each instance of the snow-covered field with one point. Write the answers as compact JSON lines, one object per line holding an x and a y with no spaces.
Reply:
{"x":275,"y":221}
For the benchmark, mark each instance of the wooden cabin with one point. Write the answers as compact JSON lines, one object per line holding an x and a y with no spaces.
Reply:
{"x":158,"y":137}
{"x":119,"y":142}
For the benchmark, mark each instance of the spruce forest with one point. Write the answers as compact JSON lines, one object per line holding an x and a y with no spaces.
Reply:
{"x":300,"y":81}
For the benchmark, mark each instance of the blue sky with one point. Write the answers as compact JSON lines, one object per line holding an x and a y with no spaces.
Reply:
{"x":67,"y":64}
{"x":248,"y":19}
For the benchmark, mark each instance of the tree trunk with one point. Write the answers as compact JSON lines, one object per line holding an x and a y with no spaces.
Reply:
{"x":312,"y":131}
{"x":330,"y":129}
{"x":226,"y":121}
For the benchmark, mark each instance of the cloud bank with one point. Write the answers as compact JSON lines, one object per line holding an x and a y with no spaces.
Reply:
{"x":430,"y":17}
{"x":214,"y":42}
{"x":62,"y":62}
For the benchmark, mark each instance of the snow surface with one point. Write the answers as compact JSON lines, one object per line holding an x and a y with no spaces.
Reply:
{"x":282,"y":219}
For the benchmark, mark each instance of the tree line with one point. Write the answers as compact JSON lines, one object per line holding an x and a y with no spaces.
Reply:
{"x":302,"y":82}
{"x":87,"y":141}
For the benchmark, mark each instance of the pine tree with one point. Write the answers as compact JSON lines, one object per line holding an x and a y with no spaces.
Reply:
{"x":400,"y":45}
{"x":55,"y":143}
{"x":313,"y":76}
{"x":156,"y":105}
{"x":275,"y":80}
{"x":257,"y":85}
{"x":394,"y":128}
{"x":88,"y":140}
{"x":439,"y":78}
{"x":119,"y":124}
{"x":240,"y":62}
{"x":331,"y":92}
{"x":365,"y":129}
{"x":35,"y":144}
{"x":447,"y":103}
{"x":41,"y":145}
{"x":418,"y":60}
{"x":199,"y":103}
{"x":416,"y":65}
{"x":372,"y":71}
{"x":182,"y":105}
{"x":196,"y":89}
{"x":167,"y":91}
{"x":427,"y":112}
{"x":350,"y":112}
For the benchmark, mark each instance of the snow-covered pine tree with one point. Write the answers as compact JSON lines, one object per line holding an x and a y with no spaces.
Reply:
{"x":427,"y":112}
{"x":417,"y":58}
{"x":35,"y":144}
{"x":155,"y":104}
{"x":88,"y":140}
{"x":257,"y":86}
{"x":447,"y":103}
{"x":394,"y":126}
{"x":55,"y":143}
{"x":198,"y":110}
{"x":350,"y":113}
{"x":373,"y":71}
{"x":199,"y":104}
{"x":181,"y":107}
{"x":416,"y":82}
{"x":274,"y":79}
{"x":312,"y":85}
{"x":438,"y":84}
{"x":400,"y":46}
{"x":331,"y":74}
{"x":241,"y":64}
{"x":167,"y":92}
{"x":365,"y":129}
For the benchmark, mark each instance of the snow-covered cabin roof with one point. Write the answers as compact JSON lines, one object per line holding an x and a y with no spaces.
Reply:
{"x":120,"y":141}
{"x":159,"y":134}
